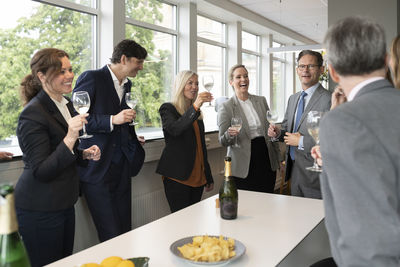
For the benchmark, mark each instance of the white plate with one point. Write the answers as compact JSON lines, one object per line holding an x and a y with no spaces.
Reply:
{"x":240,"y":249}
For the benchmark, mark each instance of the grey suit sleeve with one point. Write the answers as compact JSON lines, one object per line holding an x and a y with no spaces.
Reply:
{"x":360,"y":186}
{"x":284,"y":125}
{"x":224,"y":122}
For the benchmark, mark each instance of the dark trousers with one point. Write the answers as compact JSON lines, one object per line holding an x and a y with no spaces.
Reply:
{"x":48,"y":236}
{"x":110,"y":201}
{"x":260,"y":177}
{"x":180,"y":196}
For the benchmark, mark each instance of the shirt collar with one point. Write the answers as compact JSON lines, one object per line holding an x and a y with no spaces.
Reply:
{"x":359,"y":86}
{"x":311,"y":89}
{"x":115,"y":79}
{"x":62,"y":103}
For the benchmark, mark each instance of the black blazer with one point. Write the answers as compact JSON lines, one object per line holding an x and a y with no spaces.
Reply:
{"x":179,"y":154}
{"x":49,"y":181}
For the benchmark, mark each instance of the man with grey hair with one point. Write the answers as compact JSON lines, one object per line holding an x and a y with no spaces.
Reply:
{"x":360,"y":145}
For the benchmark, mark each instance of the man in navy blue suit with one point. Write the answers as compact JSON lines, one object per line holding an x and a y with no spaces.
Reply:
{"x":106,"y":184}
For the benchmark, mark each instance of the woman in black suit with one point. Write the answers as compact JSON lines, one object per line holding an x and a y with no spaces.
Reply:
{"x":47,"y":190}
{"x":183,"y":164}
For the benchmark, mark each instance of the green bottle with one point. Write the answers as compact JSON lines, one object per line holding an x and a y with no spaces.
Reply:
{"x":228,"y":194}
{"x":12,"y":249}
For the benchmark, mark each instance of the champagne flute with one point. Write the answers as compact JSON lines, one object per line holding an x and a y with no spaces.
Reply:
{"x":81,"y":102}
{"x":236,"y":123}
{"x":208,"y":83}
{"x":131,"y":100}
{"x":272,"y":118}
{"x":313,"y":120}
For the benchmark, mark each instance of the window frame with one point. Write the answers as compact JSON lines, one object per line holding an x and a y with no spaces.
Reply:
{"x":259,"y":57}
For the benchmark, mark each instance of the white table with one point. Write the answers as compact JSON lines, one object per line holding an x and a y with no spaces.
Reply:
{"x":269,"y":225}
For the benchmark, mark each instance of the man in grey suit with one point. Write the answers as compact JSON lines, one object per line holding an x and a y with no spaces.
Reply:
{"x":294,"y":132}
{"x":360,"y":145}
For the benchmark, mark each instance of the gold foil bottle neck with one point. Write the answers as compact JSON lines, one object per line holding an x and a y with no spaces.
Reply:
{"x":228,"y":172}
{"x":8,"y":218}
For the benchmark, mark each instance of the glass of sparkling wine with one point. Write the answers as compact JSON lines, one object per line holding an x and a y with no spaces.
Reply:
{"x":81,"y":102}
{"x":272,"y":118}
{"x":208,"y":83}
{"x":313,"y":120}
{"x":131,"y":100}
{"x":236,"y":123}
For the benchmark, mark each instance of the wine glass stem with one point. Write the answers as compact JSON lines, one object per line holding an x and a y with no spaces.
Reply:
{"x":84,"y":128}
{"x":273,"y":139}
{"x":315,"y":163}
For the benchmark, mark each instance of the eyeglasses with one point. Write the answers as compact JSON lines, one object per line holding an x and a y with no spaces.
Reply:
{"x":309,"y":66}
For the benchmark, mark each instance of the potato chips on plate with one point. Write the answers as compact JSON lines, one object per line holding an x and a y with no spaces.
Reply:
{"x":207,"y":250}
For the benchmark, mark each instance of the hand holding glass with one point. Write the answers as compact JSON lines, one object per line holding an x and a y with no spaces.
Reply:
{"x":236,"y":123}
{"x":81,"y":102}
{"x":272,"y":118}
{"x":131,"y":100}
{"x":313,"y":120}
{"x":208,"y":83}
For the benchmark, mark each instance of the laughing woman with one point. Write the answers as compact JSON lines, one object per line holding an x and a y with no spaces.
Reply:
{"x":255,"y":160}
{"x":183,"y":164}
{"x":47,"y":132}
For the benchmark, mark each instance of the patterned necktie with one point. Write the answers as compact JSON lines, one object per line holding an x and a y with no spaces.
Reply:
{"x":300,"y":110}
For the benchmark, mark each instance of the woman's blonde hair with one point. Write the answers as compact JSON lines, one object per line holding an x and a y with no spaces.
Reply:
{"x":395,"y":54}
{"x":178,"y":99}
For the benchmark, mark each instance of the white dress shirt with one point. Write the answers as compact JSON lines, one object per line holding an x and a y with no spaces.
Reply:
{"x":252,"y":118}
{"x":62,"y":107}
{"x":119,"y":88}
{"x":359,"y":86}
{"x":310,"y":91}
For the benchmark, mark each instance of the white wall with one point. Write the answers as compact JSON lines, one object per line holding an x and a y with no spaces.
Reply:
{"x":384,"y":12}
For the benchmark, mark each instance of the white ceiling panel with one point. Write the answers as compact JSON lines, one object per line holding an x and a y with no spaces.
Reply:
{"x":307,"y":17}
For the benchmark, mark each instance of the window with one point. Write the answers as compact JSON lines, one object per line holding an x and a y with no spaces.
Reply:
{"x":155,"y":31}
{"x":210,"y":29}
{"x":153,"y":12}
{"x":278,"y":103}
{"x":251,"y":63}
{"x":89,"y":3}
{"x":249,"y":41}
{"x":279,"y":90}
{"x":251,"y":59}
{"x":25,"y":27}
{"x":211,"y":61}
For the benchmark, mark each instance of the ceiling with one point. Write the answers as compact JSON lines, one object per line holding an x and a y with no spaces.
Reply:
{"x":306,"y":17}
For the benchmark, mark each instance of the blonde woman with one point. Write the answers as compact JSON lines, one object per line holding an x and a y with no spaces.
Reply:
{"x":394,"y":62}
{"x":183,"y":164}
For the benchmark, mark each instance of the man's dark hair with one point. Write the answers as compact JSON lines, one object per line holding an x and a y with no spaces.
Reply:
{"x":320,"y":60}
{"x":129,"y":48}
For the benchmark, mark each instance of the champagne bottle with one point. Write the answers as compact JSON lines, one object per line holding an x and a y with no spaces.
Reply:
{"x":12,"y":249}
{"x":228,"y":194}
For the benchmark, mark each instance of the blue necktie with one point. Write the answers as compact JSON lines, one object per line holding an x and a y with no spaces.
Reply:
{"x":300,"y":110}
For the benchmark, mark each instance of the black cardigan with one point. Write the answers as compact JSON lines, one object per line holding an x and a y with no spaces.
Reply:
{"x":179,"y":154}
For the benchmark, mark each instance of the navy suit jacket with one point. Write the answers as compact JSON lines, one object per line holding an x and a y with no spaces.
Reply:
{"x":121,"y":141}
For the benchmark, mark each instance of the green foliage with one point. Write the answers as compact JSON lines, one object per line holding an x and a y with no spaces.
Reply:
{"x":154,"y":80}
{"x":71,"y":31}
